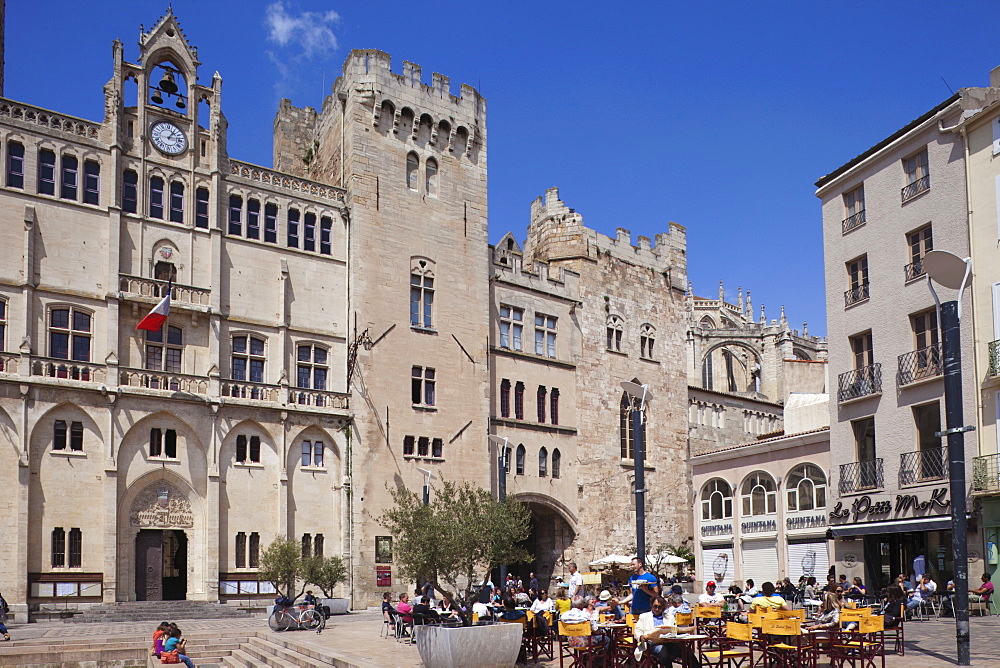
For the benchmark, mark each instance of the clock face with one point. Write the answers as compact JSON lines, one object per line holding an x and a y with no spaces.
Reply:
{"x":168,"y":138}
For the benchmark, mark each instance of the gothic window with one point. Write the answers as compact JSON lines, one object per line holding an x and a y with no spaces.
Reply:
{"x":241,"y":550}
{"x":758,"y":495}
{"x":519,"y":461}
{"x":130,"y":191}
{"x":201,"y":208}
{"x":554,"y":406}
{"x":431,"y":170}
{"x":647,"y":337}
{"x":506,"y":460}
{"x":176,"y":202}
{"x":412,"y":170}
{"x":271,"y":223}
{"x":254,"y":560}
{"x":91,"y":182}
{"x":59,"y":435}
{"x":325,"y":235}
{"x":70,"y":176}
{"x":556,"y":463}
{"x":614,"y":332}
{"x":58,"y":547}
{"x":318,"y":545}
{"x":293,"y":228}
{"x":69,"y":334}
{"x":309,"y":232}
{"x":519,"y":401}
{"x":253,"y":219}
{"x":163,"y":443}
{"x":248,"y":358}
{"x":504,"y":398}
{"x":247,"y":449}
{"x":165,"y":355}
{"x":543,"y":462}
{"x":627,"y":435}
{"x":422,"y":386}
{"x":235,"y":215}
{"x":312,"y":453}
{"x":806,"y":486}
{"x":437,"y":447}
{"x":716,"y":500}
{"x":306,"y":545}
{"x":156,"y":197}
{"x":75,"y":548}
{"x":15,"y":165}
{"x":511,"y":327}
{"x":422,"y":294}
{"x":545,"y":335}
{"x":706,"y":372}
{"x":408,"y":442}
{"x":46,"y":172}
{"x":312,"y":367}
{"x":422,"y":445}
{"x":541,"y":400}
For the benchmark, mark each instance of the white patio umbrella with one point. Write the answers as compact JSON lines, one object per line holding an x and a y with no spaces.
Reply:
{"x":612,"y":560}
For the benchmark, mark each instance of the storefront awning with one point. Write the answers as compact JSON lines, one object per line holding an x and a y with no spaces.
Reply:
{"x":941,"y":522}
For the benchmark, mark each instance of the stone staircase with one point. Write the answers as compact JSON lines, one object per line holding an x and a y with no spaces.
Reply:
{"x":156,"y":611}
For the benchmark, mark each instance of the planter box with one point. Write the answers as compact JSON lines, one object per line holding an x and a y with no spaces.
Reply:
{"x":338,"y":606}
{"x":483,"y":646}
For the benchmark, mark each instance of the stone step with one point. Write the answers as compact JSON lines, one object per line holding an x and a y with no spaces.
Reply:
{"x":137,"y":611}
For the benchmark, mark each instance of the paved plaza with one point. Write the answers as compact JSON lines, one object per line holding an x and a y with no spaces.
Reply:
{"x":355,"y":639}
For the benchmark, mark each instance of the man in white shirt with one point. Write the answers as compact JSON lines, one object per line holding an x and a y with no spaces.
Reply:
{"x":710,"y":597}
{"x":924,"y":591}
{"x":575,"y":581}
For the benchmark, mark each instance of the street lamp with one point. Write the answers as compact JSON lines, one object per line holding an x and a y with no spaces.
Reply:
{"x":501,"y":443}
{"x":951,"y":271}
{"x":638,"y":393}
{"x":428,"y":476}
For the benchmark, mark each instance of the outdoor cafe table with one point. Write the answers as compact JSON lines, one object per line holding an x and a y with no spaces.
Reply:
{"x":690,"y":643}
{"x":618,"y":654}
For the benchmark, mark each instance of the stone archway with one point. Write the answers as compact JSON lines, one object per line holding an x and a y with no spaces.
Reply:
{"x":550,"y":538}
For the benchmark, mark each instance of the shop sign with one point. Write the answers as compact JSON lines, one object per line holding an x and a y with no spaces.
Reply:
{"x":716,"y":529}
{"x":864,"y":507}
{"x":806,"y":522}
{"x":759,"y":526}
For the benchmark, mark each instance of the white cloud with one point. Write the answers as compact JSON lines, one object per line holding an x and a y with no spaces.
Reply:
{"x":310,"y":33}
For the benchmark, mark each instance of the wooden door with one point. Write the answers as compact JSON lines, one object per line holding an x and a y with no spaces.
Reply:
{"x":149,"y":565}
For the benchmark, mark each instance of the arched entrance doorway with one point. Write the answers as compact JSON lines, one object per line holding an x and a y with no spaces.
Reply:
{"x":159,"y":515}
{"x":549,"y":540}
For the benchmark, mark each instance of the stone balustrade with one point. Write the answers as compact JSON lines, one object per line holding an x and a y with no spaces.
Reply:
{"x":48,"y":119}
{"x":68,"y":369}
{"x":156,"y":380}
{"x":8,"y":362}
{"x":156,"y":289}
{"x":318,"y":398}
{"x":299,"y":186}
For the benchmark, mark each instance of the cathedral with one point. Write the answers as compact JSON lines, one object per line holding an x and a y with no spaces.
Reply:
{"x":338,"y":324}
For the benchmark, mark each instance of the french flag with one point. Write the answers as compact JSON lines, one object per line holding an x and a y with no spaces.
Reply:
{"x":155,"y":318}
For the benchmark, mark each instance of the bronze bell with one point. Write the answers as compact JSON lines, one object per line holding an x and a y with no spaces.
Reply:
{"x":157,"y":97}
{"x":180,"y":102}
{"x":167,"y":83}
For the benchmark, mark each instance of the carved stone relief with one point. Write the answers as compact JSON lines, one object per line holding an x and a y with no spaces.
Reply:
{"x":161,"y":506}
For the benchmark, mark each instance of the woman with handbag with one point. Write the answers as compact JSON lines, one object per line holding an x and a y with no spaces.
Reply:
{"x":174,"y":648}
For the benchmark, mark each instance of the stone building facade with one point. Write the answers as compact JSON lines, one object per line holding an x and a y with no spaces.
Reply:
{"x":157,"y":465}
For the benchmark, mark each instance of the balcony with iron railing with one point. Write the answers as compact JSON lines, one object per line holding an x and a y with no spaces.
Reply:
{"x":858,"y":383}
{"x":911,"y":190}
{"x":853,"y":222}
{"x":986,"y":473}
{"x":858,"y":293}
{"x":923,"y":466}
{"x":994,"y":358}
{"x":914,"y":270}
{"x":861,"y":476}
{"x":919,"y":365}
{"x":153,"y":289}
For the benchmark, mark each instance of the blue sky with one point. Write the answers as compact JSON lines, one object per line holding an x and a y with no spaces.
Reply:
{"x":717,"y":115}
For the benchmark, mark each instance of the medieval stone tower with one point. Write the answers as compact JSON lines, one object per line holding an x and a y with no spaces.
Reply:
{"x":412,"y":157}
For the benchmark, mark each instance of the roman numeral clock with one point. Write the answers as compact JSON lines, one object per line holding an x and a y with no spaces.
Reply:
{"x":168,"y":138}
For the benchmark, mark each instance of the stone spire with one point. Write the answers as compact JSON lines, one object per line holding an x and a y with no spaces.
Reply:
{"x":784,"y":321}
{"x":722,"y":293}
{"x":763,"y":318}
{"x":748,"y":314}
{"x":739,"y":299}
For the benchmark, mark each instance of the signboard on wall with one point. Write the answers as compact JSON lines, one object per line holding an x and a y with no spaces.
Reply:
{"x":383,"y":576}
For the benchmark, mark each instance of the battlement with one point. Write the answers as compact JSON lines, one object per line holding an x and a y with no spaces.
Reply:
{"x":507,"y":265}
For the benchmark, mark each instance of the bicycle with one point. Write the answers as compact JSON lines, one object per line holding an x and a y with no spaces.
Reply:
{"x":294,"y":617}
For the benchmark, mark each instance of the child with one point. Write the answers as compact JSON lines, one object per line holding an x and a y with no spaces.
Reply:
{"x":159,"y":635}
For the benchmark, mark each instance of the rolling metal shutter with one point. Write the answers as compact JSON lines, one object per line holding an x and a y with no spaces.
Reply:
{"x":717,"y":564}
{"x":809,"y":559}
{"x":760,"y":560}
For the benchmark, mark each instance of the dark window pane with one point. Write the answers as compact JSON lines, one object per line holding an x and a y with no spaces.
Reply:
{"x":59,"y":346}
{"x":173,"y":361}
{"x":255,"y":449}
{"x":407,"y":445}
{"x":176,"y":202}
{"x":201,"y":208}
{"x":319,"y":379}
{"x":241,"y":448}
{"x":235,"y":215}
{"x":15,"y":165}
{"x":319,"y":356}
{"x":253,"y":219}
{"x":155,"y":442}
{"x":303,"y":377}
{"x":81,"y":348}
{"x":325,"y":235}
{"x":59,"y":435}
{"x":130,"y":192}
{"x":76,"y":436}
{"x":256,"y":346}
{"x":318,"y":453}
{"x":156,"y":197}
{"x":91,"y":182}
{"x":306,"y":453}
{"x":46,"y":172}
{"x":170,"y":444}
{"x":67,"y":188}
{"x":437,"y":448}
{"x":58,"y":547}
{"x":239,"y":344}
{"x":305,"y":353}
{"x":256,"y":371}
{"x":239,"y":368}
{"x":293,"y":228}
{"x":254,"y":550}
{"x":174,"y":335}
{"x":309,"y":236}
{"x":59,"y":318}
{"x":81,"y":321}
{"x":241,"y":550}
{"x":270,"y":223}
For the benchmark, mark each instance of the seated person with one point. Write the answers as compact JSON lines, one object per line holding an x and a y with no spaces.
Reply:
{"x":562,"y":602}
{"x":924,"y":591}
{"x":654,"y":627}
{"x":539,"y":607}
{"x":892,"y":606}
{"x":310,"y":600}
{"x":750,"y":593}
{"x":387,"y":604}
{"x":510,"y":612}
{"x":856,"y":591}
{"x":809,"y":594}
{"x":602,"y":606}
{"x":404,"y":609}
{"x":522,"y":598}
{"x":829,"y":613}
{"x":423,"y":613}
{"x":768,"y":600}
{"x":984,"y":592}
{"x":449,"y":609}
{"x":710,"y":597}
{"x":579,"y":613}
{"x":481,"y":610}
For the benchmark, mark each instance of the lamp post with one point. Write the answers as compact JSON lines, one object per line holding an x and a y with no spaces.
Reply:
{"x":638,"y":393}
{"x":428,"y":476}
{"x":501,"y":443}
{"x":951,"y":271}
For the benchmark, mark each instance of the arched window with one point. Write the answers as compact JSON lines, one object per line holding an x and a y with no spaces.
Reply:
{"x":412,"y":169}
{"x":647,"y":337}
{"x":248,"y":358}
{"x":543,"y":462}
{"x":615,"y":326}
{"x":504,"y":398}
{"x":706,"y":372}
{"x":716,"y":500}
{"x":625,"y":427}
{"x":806,"y":485}
{"x":431,"y":172}
{"x":520,"y":460}
{"x":707,"y":323}
{"x":421,"y":293}
{"x":556,"y":462}
{"x":759,"y":495}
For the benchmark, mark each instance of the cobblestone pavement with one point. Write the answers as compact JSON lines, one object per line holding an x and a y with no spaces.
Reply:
{"x":355,"y":638}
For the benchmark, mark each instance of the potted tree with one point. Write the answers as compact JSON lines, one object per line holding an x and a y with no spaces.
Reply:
{"x":327,"y":574}
{"x":453,"y":543}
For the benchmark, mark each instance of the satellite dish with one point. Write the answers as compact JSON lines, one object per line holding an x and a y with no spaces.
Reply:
{"x":945,"y":268}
